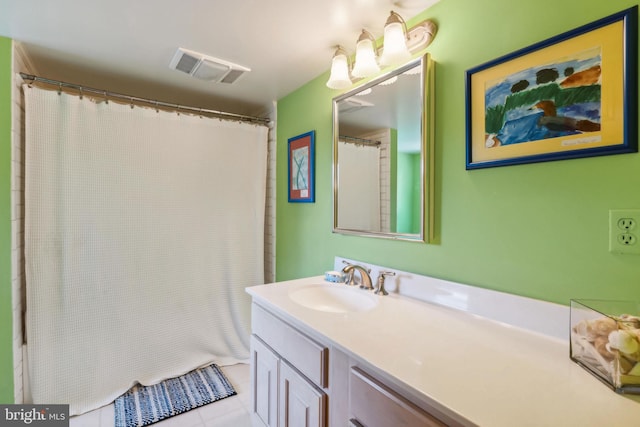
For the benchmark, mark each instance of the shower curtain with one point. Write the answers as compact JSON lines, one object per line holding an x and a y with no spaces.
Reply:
{"x":142,"y":229}
{"x":359,"y":186}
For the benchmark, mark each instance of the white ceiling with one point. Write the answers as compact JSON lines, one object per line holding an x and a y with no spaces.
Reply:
{"x":125,"y":46}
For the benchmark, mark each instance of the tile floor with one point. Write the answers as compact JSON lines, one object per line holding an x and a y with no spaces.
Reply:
{"x":230,"y":412}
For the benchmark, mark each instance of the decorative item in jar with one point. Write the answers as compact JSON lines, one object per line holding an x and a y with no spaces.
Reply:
{"x":605,"y":340}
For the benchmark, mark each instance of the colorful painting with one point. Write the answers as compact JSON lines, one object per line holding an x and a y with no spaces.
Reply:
{"x":569,"y":96}
{"x":549,"y":101}
{"x":301,"y":168}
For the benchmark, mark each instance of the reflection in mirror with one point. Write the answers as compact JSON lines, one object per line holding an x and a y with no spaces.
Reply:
{"x":379,"y":155}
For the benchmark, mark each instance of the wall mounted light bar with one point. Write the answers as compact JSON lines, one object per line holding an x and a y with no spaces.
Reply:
{"x":398,"y":46}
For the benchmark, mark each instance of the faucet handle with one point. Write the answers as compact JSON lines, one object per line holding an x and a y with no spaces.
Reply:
{"x":380,"y":290}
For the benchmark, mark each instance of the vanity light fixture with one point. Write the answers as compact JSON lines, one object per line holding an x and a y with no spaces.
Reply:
{"x":365,"y":64}
{"x":339,"y":78}
{"x":399,"y":45}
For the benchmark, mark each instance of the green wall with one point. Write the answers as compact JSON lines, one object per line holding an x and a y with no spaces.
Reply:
{"x":539,"y":230}
{"x":408,"y":193}
{"x":6,"y":323}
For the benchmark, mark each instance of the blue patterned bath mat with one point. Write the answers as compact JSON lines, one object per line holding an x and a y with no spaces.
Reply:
{"x":144,"y":405}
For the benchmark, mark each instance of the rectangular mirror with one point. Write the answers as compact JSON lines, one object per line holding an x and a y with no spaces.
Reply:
{"x":383,"y":156}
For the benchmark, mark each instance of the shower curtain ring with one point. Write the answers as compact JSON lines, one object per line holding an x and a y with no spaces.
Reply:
{"x":157,"y":109}
{"x":131,"y":100}
{"x":80,"y":88}
{"x":200,"y":112}
{"x":59,"y":88}
{"x":106,"y":98}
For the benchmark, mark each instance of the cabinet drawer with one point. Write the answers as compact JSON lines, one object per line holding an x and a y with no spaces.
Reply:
{"x":309,"y":357}
{"x":371,"y":404}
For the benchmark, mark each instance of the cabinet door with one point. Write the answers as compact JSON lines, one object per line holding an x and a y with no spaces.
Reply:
{"x":371,"y":404}
{"x":264,"y":384}
{"x":301,"y":403}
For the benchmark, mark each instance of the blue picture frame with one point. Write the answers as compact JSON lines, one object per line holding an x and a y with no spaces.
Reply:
{"x":301,"y":168}
{"x":571,"y":96}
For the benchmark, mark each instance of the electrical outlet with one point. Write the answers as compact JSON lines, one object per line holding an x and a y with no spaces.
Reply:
{"x":623,"y":229}
{"x":626,"y":224}
{"x":627,"y":239}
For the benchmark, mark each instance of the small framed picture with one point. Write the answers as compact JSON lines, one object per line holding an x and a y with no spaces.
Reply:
{"x":573,"y":95}
{"x":302,"y":168}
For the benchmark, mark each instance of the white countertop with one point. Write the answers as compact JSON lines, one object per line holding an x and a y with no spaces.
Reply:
{"x":484,"y":371}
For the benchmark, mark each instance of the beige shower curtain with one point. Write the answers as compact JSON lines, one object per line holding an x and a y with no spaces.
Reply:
{"x":142,"y":230}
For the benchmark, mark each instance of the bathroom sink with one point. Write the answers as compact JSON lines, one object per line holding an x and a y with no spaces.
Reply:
{"x":334,"y":298}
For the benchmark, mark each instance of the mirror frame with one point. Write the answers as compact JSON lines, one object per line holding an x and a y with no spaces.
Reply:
{"x":427,"y":196}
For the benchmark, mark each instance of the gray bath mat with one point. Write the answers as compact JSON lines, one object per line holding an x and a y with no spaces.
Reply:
{"x":144,"y":405}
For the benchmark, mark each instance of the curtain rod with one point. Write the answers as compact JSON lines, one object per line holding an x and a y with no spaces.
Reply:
{"x":150,"y":102}
{"x":357,"y":140}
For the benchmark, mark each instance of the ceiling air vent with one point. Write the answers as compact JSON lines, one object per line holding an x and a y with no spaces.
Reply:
{"x":205,"y":67}
{"x":352,"y":104}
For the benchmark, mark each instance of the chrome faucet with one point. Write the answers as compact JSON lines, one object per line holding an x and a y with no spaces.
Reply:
{"x":365,"y":278}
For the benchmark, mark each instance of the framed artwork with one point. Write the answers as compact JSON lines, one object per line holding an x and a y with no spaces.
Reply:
{"x":301,"y":176}
{"x":574,"y":95}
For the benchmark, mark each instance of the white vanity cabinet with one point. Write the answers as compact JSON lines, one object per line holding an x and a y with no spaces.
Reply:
{"x":500,"y":361}
{"x":288,"y":375}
